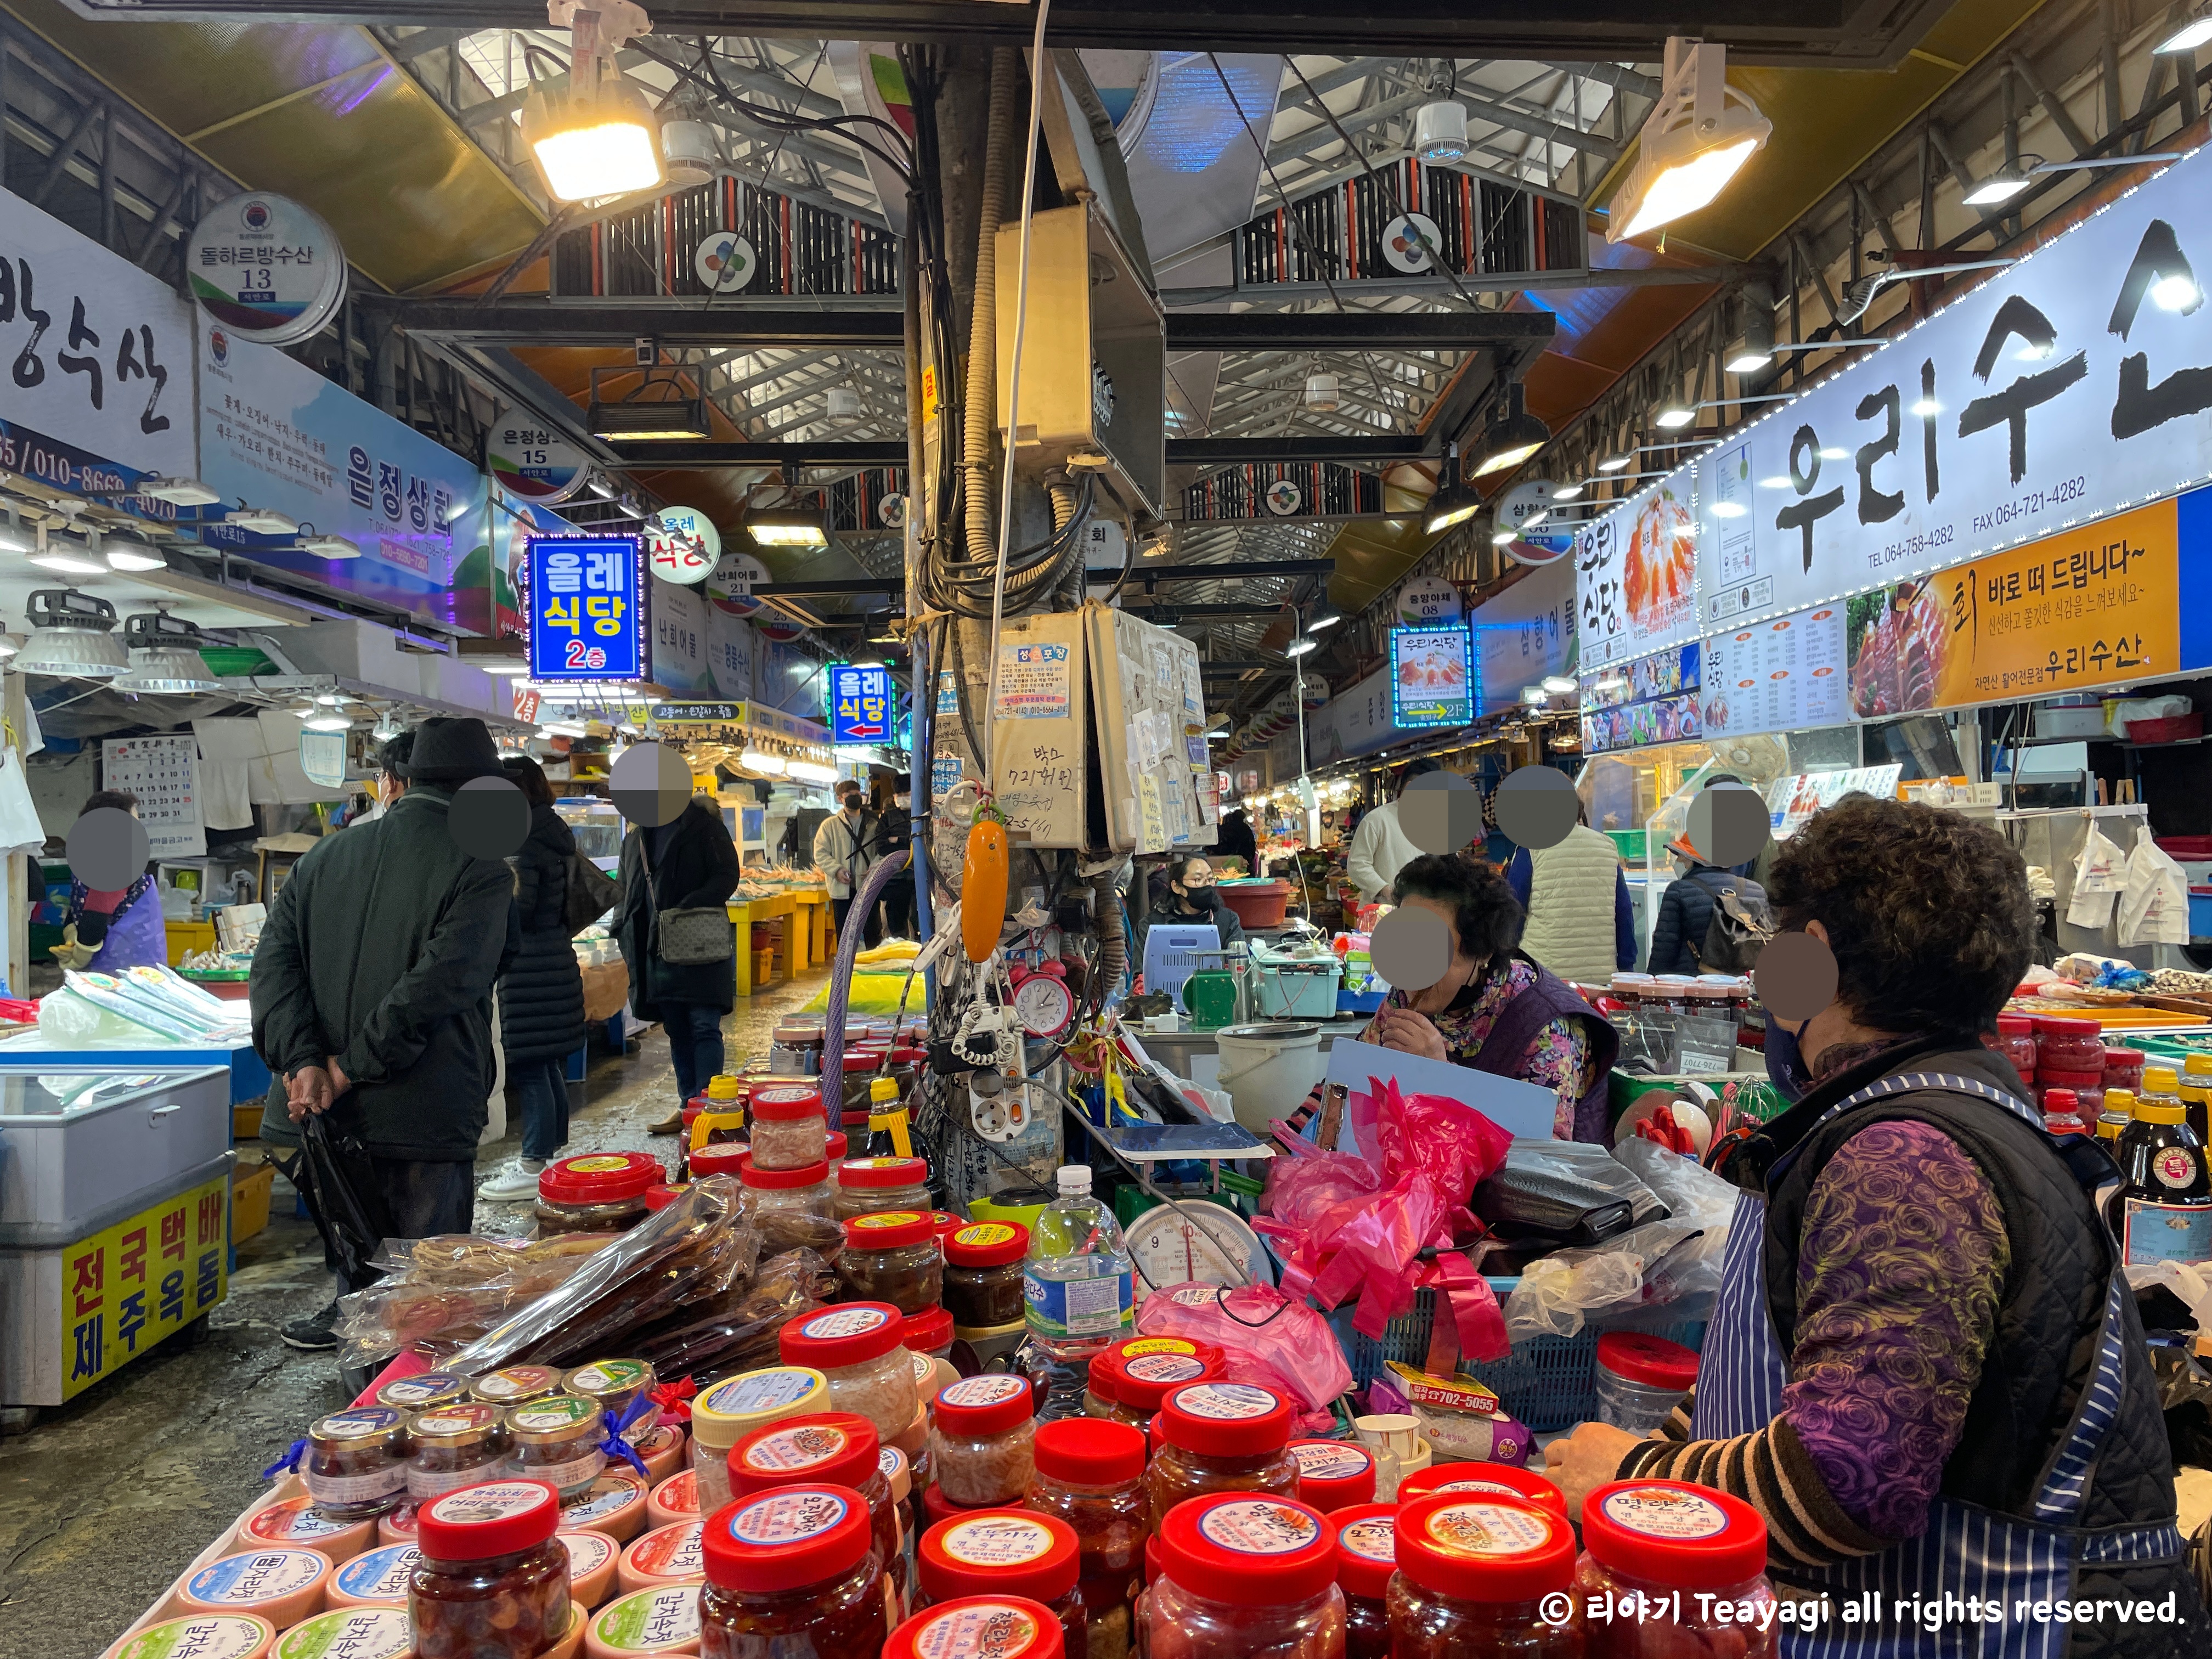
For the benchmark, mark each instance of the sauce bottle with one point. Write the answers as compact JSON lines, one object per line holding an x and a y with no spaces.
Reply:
{"x":2196,"y":1093}
{"x":2162,"y":1211}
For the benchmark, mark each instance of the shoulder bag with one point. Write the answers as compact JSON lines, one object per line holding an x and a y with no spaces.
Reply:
{"x":692,"y":938}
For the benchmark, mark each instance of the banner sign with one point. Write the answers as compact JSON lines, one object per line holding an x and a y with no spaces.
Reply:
{"x":1785,"y":675}
{"x":1433,"y":677}
{"x":585,"y":599}
{"x":1635,"y":571}
{"x":1653,"y":699}
{"x":141,"y":1280}
{"x":861,"y":704}
{"x":2075,"y":384}
{"x":1526,"y":634}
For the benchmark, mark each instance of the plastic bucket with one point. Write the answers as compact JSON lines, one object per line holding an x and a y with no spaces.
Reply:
{"x":1257,"y":903}
{"x":1269,"y":1069}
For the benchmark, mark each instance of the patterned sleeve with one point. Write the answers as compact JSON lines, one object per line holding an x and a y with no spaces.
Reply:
{"x":1559,"y":1059}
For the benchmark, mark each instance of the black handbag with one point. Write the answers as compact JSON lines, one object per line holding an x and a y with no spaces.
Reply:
{"x":693,"y":937}
{"x":591,"y":893}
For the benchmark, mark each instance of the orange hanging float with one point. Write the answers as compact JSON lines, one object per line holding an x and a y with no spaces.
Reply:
{"x":983,"y":884}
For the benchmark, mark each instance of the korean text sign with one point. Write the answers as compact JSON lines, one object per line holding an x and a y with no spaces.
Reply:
{"x":128,"y":1286}
{"x":860,"y":705}
{"x":1431,"y":677}
{"x":585,"y":598}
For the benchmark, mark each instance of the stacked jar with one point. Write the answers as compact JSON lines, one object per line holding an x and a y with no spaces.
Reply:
{"x":615,"y":1386}
{"x":892,"y":1256}
{"x":356,"y":1462}
{"x":1090,"y":1474}
{"x":2196,"y":1090}
{"x":1366,"y":1561}
{"x":1129,"y":1379}
{"x":790,"y":1209}
{"x":453,"y":1446}
{"x":1243,"y":1577}
{"x":730,"y":1410}
{"x":2124,"y":1069}
{"x":1220,"y":1437}
{"x":831,"y":1447}
{"x":857,"y":1348}
{"x":1697,"y":1559}
{"x":2069,"y":1054}
{"x":865,"y":1185}
{"x":595,"y":1192}
{"x":1006,"y":1552}
{"x":982,"y":1441}
{"x":789,"y":1130}
{"x":2015,"y":1041}
{"x":492,"y":1580}
{"x":795,"y":1046}
{"x":1641,"y":1379}
{"x":983,"y":1275}
{"x":1501,"y":1478}
{"x":999,"y":1625}
{"x":1482,"y":1574}
{"x":798,"y":1570}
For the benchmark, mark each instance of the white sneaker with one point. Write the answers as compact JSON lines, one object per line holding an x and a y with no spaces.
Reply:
{"x":514,"y":1184}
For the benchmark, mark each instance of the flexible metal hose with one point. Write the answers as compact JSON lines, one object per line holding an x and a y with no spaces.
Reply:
{"x":841,"y":976}
{"x":982,"y":395}
{"x":1113,"y":955}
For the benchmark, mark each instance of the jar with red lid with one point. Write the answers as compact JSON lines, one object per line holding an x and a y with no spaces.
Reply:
{"x":1132,"y":1375}
{"x":797,"y":1572}
{"x":1500,"y":1477}
{"x":790,"y":1131}
{"x":856,"y":1346}
{"x":2015,"y":1041}
{"x":983,"y":1440}
{"x":1244,"y":1576}
{"x":1090,"y":1474}
{"x":892,"y":1256}
{"x":1333,"y":1475}
{"x":595,"y":1192}
{"x":1474,"y":1571}
{"x":1366,"y":1560}
{"x":835,"y":1448}
{"x":929,"y":1332}
{"x":790,"y":1209}
{"x":2070,"y":1052}
{"x":1641,"y":1379}
{"x":998,"y":1625}
{"x":1220,"y":1437}
{"x":722,"y":1158}
{"x":1006,"y":1552}
{"x":2062,"y":1113}
{"x":2124,"y":1069}
{"x":861,"y":1067}
{"x":983,"y":1273}
{"x":1658,"y":1537}
{"x":867,"y":1184}
{"x":492,"y":1581}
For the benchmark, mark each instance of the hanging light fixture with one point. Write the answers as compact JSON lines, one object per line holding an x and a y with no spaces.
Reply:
{"x":68,"y":555}
{"x":844,"y":403}
{"x":2191,"y":35}
{"x":1673,"y":415}
{"x":1440,"y":132}
{"x":786,"y":528}
{"x":1757,"y":350}
{"x":130,"y":554}
{"x":807,"y":771}
{"x":1511,"y":437}
{"x":1697,"y":136}
{"x":593,"y":133}
{"x":72,"y":637}
{"x":760,"y":760}
{"x":1454,"y":501}
{"x":1322,"y":394}
{"x":164,"y":656}
{"x":329,"y":719}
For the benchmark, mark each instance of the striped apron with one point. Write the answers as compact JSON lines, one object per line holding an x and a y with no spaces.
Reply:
{"x":1966,"y":1551}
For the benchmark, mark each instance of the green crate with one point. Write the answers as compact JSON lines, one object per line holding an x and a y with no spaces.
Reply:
{"x":1631,"y":843}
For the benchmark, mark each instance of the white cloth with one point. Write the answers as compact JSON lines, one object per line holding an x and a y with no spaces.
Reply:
{"x":228,"y":751}
{"x":1379,"y":851}
{"x":20,"y":829}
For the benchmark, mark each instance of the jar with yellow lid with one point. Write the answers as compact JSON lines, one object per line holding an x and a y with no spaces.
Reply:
{"x":727,"y":1412}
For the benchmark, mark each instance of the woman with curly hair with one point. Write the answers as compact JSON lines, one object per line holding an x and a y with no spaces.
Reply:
{"x":1925,"y":1368}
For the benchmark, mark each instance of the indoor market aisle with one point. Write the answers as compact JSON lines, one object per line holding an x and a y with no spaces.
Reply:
{"x":104,"y":1500}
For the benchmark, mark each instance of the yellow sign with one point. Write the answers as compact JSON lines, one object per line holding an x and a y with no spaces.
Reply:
{"x":129,"y":1285}
{"x":2100,"y":606}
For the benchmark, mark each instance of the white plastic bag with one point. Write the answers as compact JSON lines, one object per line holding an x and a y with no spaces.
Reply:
{"x":2120,"y":710}
{"x":2154,"y":902}
{"x":2100,"y":872}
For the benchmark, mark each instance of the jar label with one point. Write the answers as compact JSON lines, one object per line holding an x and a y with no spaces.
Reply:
{"x":665,"y":1616}
{"x":845,"y":1321}
{"x":680,"y":1492}
{"x":1164,"y":1368}
{"x":757,"y":1391}
{"x":1145,"y":1345}
{"x":886,"y":1218}
{"x":1251,"y":1526}
{"x":984,"y":1234}
{"x":343,"y":1490}
{"x":984,"y":1390}
{"x":787,"y":1517}
{"x":423,"y":1485}
{"x":214,"y":1636}
{"x":2166,"y":1232}
{"x":1659,"y":1512}
{"x":1478,"y":1486}
{"x":401,"y":1520}
{"x":1336,"y":1463}
{"x":457,"y":1419}
{"x":983,"y":1630}
{"x":515,"y":1380}
{"x":1224,"y":1401}
{"x":1487,"y":1530}
{"x":294,"y":1520}
{"x":610,"y":1374}
{"x":349,"y":1633}
{"x":777,"y":1097}
{"x":368,"y":1421}
{"x":587,"y":1551}
{"x":597,"y":1165}
{"x":670,"y":1552}
{"x":556,"y":1413}
{"x":491,"y":1500}
{"x":261,"y":1575}
{"x":608,"y":1495}
{"x":380,"y":1575}
{"x":571,"y":1475}
{"x":1098,"y":1305}
{"x":889,"y":1462}
{"x":2174,"y":1167}
{"x":411,"y":1393}
{"x":787,"y":1451}
{"x":1371,"y":1540}
{"x":1003,"y":1540}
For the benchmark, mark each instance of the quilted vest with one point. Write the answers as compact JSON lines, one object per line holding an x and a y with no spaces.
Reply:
{"x":1505,"y":1050}
{"x":1570,"y":889}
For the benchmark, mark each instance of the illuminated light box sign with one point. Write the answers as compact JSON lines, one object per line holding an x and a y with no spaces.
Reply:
{"x":585,"y":601}
{"x":861,"y":706}
{"x":1432,"y":677}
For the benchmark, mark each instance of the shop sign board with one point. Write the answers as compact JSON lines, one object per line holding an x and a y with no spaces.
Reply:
{"x":274,"y":434}
{"x":585,"y":599}
{"x":1792,"y":799}
{"x":1635,"y":575}
{"x":682,"y":545}
{"x":861,"y":704}
{"x":100,"y":388}
{"x":535,"y":462}
{"x":681,"y":641}
{"x":132,"y":1285}
{"x":2074,"y":385}
{"x":1432,"y":677}
{"x":1653,"y":699}
{"x":265,"y":268}
{"x":1785,"y":674}
{"x":1525,"y":635}
{"x":1428,"y":601}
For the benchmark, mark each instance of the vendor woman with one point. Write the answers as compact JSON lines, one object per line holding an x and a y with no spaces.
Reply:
{"x":108,"y":932}
{"x":1925,"y":1368}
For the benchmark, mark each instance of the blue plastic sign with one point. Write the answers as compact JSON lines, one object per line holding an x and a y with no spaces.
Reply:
{"x":585,"y":595}
{"x":1432,"y":677}
{"x":861,"y":706}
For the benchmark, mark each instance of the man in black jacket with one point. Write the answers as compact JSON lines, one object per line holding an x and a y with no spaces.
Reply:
{"x":372,"y":994}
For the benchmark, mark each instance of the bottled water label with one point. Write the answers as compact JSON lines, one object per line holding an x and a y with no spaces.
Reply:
{"x":1088,"y":1307}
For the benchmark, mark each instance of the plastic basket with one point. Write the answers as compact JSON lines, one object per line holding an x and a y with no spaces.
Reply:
{"x":1546,"y":1383}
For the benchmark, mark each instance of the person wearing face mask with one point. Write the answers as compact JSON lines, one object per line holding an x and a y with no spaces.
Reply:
{"x":1190,"y":901}
{"x":1685,"y":908}
{"x":1925,"y":1368}
{"x":895,"y":833}
{"x":845,"y":850}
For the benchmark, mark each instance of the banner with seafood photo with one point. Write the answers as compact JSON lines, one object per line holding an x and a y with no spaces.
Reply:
{"x":1635,"y":575}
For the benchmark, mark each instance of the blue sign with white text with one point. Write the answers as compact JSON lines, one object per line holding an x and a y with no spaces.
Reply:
{"x":861,"y":706}
{"x":585,"y":601}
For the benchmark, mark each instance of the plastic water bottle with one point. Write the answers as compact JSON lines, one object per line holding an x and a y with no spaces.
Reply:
{"x":1080,"y":1287}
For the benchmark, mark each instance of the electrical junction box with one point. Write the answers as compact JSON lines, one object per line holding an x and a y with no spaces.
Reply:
{"x":1156,"y":783}
{"x":1094,"y":356}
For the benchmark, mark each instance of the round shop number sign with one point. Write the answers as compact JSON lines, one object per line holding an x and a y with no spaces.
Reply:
{"x":265,"y":268}
{"x":682,"y":545}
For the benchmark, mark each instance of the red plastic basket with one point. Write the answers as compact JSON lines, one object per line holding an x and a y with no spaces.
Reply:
{"x":2172,"y":729}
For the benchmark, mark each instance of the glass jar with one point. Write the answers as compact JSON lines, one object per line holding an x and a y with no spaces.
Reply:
{"x":2123,"y":1068}
{"x":726,"y":1158}
{"x":558,"y":1441}
{"x":1641,"y":1379}
{"x":999,"y":1625}
{"x":1473,"y":1573}
{"x":930,"y":1333}
{"x":1006,"y":1552}
{"x":1244,"y":1577}
{"x":614,"y":1385}
{"x":1628,"y":990}
{"x":861,"y":1067}
{"x":423,"y":1391}
{"x":892,"y":1256}
{"x":1090,"y":1474}
{"x":516,"y":1385}
{"x":1366,"y":1559}
{"x":857,"y":1348}
{"x":1335,"y":1475}
{"x":356,"y":1462}
{"x":831,"y":1449}
{"x":1220,"y":1437}
{"x":983,"y":1273}
{"x":790,"y":1209}
{"x":596,"y":1193}
{"x":2015,"y":1041}
{"x":1670,"y":993}
{"x":2062,"y":1113}
{"x":454,"y":1446}
{"x":795,"y":1047}
{"x":2065,"y":1043}
{"x":982,"y":1441}
{"x":492,"y":1582}
{"x":1131,"y":1376}
{"x":793,"y":1574}
{"x":730,"y":1410}
{"x":789,"y":1130}
{"x":869,"y":1184}
{"x":1658,"y":1537}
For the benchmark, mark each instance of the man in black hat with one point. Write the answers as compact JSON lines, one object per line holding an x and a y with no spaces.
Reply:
{"x":372,"y":994}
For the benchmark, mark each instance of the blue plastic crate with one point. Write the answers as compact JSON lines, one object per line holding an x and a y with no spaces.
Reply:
{"x":1546,"y":1383}
{"x":1358,"y":1002}
{"x":2200,"y":915}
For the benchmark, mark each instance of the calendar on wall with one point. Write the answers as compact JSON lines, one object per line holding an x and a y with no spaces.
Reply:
{"x":163,"y":773}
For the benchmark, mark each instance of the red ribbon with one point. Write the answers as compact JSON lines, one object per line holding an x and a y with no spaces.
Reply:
{"x":674,"y":1399}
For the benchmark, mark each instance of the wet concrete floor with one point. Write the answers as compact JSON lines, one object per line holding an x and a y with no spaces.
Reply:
{"x":104,"y":1501}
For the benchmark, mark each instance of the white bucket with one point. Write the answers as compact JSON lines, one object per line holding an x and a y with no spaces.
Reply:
{"x":1269,"y":1069}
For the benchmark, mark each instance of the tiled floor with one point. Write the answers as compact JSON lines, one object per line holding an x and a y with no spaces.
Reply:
{"x":104,"y":1501}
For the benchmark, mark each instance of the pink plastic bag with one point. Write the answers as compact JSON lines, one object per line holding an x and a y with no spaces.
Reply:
{"x":1288,"y":1347}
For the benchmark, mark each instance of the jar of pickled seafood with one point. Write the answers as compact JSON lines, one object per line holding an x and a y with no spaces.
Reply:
{"x":1245,"y":1578}
{"x":492,"y":1582}
{"x":892,"y":1256}
{"x":983,"y":1440}
{"x":356,"y":1462}
{"x":1661,"y":1537}
{"x":454,"y":1446}
{"x":1090,"y":1474}
{"x":856,"y":1346}
{"x":835,"y":1448}
{"x":1366,"y":1560}
{"x":1220,"y":1437}
{"x":793,"y":1572}
{"x":1474,"y":1571}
